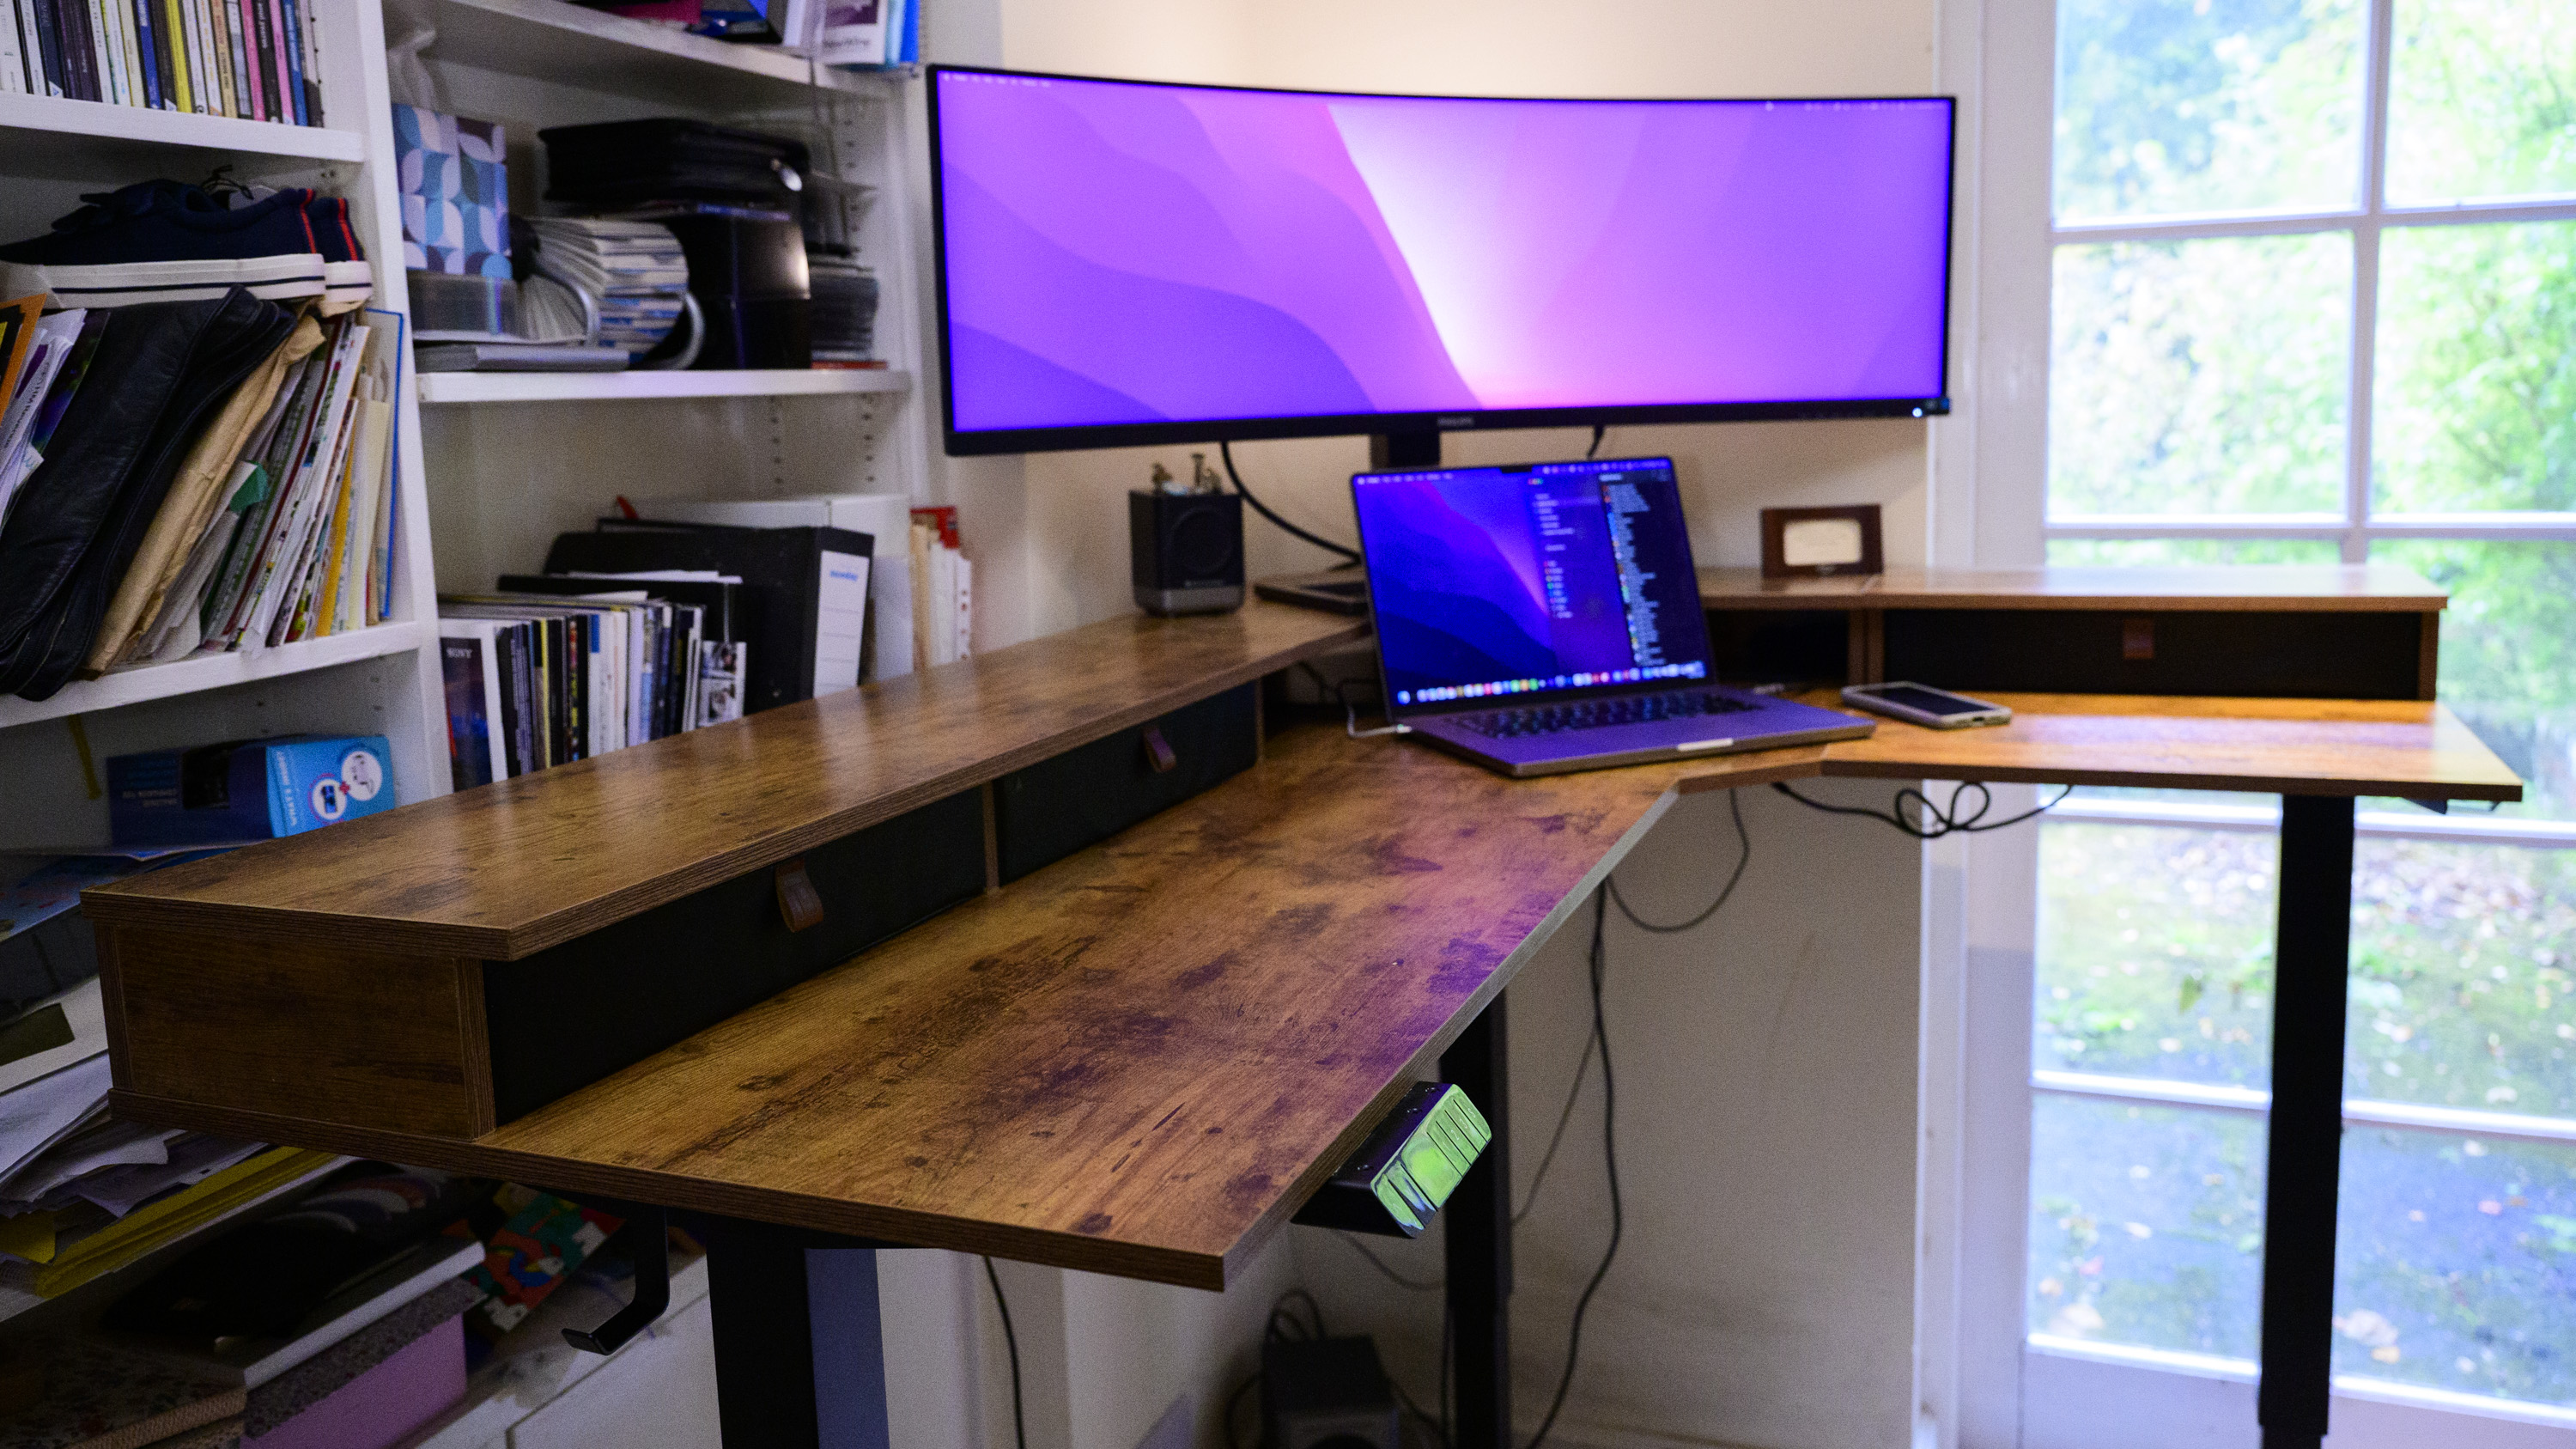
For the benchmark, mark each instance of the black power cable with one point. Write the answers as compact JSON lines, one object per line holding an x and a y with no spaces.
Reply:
{"x":1226,"y":452}
{"x":1610,"y":1164}
{"x":1599,"y":431}
{"x":1744,"y":857}
{"x":1932,"y":821}
{"x":1019,"y":1421}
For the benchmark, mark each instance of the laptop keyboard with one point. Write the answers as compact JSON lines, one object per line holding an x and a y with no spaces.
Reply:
{"x":1588,"y":714}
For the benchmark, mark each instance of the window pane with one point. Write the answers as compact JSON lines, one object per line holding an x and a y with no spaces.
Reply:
{"x":2146,"y":1225}
{"x":2155,"y":953}
{"x":2123,"y":552}
{"x":2464,"y":958}
{"x":2456,"y":1263}
{"x":2482,"y":100}
{"x":2170,"y":106}
{"x":2476,"y":375}
{"x":2509,"y":655}
{"x":2199,"y":376}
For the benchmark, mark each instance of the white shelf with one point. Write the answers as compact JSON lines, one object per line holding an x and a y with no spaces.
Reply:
{"x":554,"y":41}
{"x":86,"y":136}
{"x":212,"y":671}
{"x":527,"y":387}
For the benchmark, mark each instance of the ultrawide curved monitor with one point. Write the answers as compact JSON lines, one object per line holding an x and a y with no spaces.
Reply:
{"x":1123,"y":262}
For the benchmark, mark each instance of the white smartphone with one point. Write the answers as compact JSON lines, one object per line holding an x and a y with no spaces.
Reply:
{"x":1922,"y":704}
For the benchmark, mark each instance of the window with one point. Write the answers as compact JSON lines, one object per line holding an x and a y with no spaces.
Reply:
{"x":2313,"y":298}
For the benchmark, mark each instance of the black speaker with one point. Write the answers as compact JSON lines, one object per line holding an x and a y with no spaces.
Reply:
{"x":1187,"y":550}
{"x":1326,"y":1393}
{"x":750,"y":279}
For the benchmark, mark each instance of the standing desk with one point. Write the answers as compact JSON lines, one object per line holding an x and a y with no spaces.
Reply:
{"x":1139,"y":1058}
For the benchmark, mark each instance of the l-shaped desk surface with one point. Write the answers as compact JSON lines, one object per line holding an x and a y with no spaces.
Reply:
{"x":1138,"y":1060}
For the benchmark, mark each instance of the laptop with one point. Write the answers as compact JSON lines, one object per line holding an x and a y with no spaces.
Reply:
{"x":1545,"y":618}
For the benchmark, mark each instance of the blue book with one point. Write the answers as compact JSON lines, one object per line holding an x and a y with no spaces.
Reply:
{"x":294,"y":12}
{"x":149,"y":61}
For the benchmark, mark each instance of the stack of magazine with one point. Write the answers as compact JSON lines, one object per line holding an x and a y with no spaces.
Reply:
{"x":279,"y":526}
{"x":631,"y":273}
{"x":551,"y":670}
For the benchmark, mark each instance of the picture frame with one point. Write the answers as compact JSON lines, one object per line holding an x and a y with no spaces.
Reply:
{"x":1818,"y":543}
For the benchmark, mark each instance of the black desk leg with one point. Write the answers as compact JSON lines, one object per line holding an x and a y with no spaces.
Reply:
{"x":1479,"y":1217}
{"x":765,"y":1287}
{"x":2312,"y":958}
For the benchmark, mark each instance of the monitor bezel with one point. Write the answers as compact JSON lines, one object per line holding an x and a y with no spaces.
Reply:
{"x":986,"y":442}
{"x":1535,"y":697}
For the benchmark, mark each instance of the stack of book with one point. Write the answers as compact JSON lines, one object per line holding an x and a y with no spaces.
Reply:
{"x":553,"y":670}
{"x":251,"y":59}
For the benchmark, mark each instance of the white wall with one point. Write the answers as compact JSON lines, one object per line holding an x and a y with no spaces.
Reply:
{"x":1768,"y":1062}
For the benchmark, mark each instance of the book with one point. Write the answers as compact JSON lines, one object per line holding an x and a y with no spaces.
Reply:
{"x":518,"y":357}
{"x":41,"y":19}
{"x":470,"y":668}
{"x":294,"y":44}
{"x":148,"y":56}
{"x":31,"y":49}
{"x":174,"y":38}
{"x":18,"y":321}
{"x":70,"y":338}
{"x":97,"y":1397}
{"x":808,"y":587}
{"x":13,"y":62}
{"x":395,"y":1278}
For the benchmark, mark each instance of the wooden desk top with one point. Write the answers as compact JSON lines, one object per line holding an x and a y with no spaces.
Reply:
{"x":2414,"y":749}
{"x":2265,"y":588}
{"x":514,"y":867}
{"x":1139,"y":1060}
{"x":1142,"y":1059}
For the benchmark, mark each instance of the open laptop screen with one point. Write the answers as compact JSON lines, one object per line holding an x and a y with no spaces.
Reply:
{"x":1517,"y":585}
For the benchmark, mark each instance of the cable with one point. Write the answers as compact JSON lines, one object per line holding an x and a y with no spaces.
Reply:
{"x":1351,"y":726}
{"x":1932,"y":821}
{"x":1398,"y":1279}
{"x":1599,"y":431}
{"x":1019,"y":1421}
{"x":1744,"y":844}
{"x":1547,"y":1159}
{"x":1233,"y":1402}
{"x":1226,"y":451}
{"x":1610,"y":1166}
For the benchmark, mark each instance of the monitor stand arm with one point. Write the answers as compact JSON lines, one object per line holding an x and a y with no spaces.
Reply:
{"x":1404,"y":450}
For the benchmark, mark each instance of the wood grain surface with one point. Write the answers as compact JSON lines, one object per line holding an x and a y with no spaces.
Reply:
{"x":2233,"y":588}
{"x":2409,"y":748}
{"x":299,"y":1030}
{"x":1139,"y":1060}
{"x":510,"y":868}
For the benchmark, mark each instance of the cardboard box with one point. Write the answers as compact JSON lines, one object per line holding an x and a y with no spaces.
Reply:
{"x":246,"y":789}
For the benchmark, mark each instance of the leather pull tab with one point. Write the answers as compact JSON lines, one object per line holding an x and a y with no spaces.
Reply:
{"x":799,"y":904}
{"x":1158,"y":751}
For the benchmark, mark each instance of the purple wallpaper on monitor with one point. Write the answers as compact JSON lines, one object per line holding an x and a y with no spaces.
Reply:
{"x":1123,"y":253}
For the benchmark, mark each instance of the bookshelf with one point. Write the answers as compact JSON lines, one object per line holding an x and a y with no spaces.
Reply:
{"x":213,"y":671}
{"x":530,"y":387}
{"x":82,"y":137}
{"x":564,"y":44}
{"x":380,"y":680}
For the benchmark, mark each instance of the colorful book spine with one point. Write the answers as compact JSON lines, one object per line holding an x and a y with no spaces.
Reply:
{"x":148,"y":58}
{"x":129,"y":60}
{"x":220,"y":40}
{"x":263,"y":38}
{"x":246,"y":25}
{"x":49,"y":46}
{"x":78,"y":49}
{"x":174,"y":38}
{"x":210,"y":81}
{"x":295,"y":32}
{"x":277,"y":34}
{"x":111,"y":71}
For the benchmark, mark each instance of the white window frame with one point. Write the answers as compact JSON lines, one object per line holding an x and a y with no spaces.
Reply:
{"x":1983,"y":1382}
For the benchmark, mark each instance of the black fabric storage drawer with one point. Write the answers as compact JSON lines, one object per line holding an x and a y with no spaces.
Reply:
{"x":1055,"y":807}
{"x":568,"y":1016}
